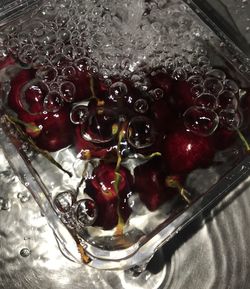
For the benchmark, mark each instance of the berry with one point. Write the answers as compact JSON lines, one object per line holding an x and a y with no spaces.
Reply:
{"x":101,"y":188}
{"x":150,"y":184}
{"x":183,"y":96}
{"x":184,"y":151}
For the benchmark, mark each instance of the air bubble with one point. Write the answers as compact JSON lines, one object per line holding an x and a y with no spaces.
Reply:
{"x":230,"y":119}
{"x":140,"y":132}
{"x":85,"y":212}
{"x":117,"y":90}
{"x":206,"y":100}
{"x":195,"y":80}
{"x":68,"y":51}
{"x":64,"y":201}
{"x":179,"y":74}
{"x":64,"y":35}
{"x":47,"y":73}
{"x":141,"y":105}
{"x":201,"y":121}
{"x":79,"y":114}
{"x":53,"y":102}
{"x":197,"y":90}
{"x":213,"y":85}
{"x":48,"y":38}
{"x":25,"y":252}
{"x":26,"y":54}
{"x":69,"y":71}
{"x":231,"y":85}
{"x":227,"y":100}
{"x":60,"y":61}
{"x":216,"y":73}
{"x":68,"y":90}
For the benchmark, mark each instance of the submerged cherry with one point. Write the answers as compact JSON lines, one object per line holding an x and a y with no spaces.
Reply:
{"x":150,"y":184}
{"x":109,"y":198}
{"x":184,"y":151}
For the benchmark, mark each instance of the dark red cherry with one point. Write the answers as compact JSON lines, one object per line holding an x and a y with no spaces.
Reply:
{"x":184,"y":151}
{"x":150,"y":184}
{"x":182,"y":96}
{"x":56,"y":129}
{"x":224,"y":138}
{"x":101,"y":188}
{"x":163,"y":117}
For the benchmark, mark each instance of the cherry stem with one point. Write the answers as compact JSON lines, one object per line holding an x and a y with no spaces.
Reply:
{"x":175,"y":184}
{"x":120,"y":225}
{"x":92,"y":87}
{"x":244,"y":140}
{"x":26,"y":138}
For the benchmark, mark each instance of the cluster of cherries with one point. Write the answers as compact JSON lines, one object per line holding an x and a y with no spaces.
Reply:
{"x":116,"y":121}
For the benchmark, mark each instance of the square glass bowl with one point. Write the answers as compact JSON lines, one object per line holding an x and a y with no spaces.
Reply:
{"x":82,"y":61}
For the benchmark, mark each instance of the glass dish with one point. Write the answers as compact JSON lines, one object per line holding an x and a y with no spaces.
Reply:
{"x":193,"y":49}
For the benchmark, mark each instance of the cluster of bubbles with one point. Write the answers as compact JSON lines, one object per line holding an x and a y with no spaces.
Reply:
{"x":216,"y":103}
{"x":112,"y":37}
{"x":75,"y":214}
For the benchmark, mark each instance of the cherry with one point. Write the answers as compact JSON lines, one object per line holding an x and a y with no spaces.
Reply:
{"x":182,"y":96}
{"x":224,"y":138}
{"x":184,"y":151}
{"x":101,"y":187}
{"x":56,"y":129}
{"x":163,"y":117}
{"x":150,"y":184}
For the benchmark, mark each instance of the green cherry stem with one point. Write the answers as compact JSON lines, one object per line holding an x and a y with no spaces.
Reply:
{"x":244,"y":140}
{"x":15,"y":122}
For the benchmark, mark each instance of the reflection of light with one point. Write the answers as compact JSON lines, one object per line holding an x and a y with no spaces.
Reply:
{"x":189,"y":147}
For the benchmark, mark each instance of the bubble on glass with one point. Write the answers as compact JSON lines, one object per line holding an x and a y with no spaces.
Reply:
{"x":230,"y":119}
{"x":216,"y":73}
{"x":69,"y":71}
{"x":64,"y":201}
{"x":195,"y":80}
{"x":67,"y":91}
{"x":206,"y":100}
{"x":227,"y":100}
{"x":197,"y":90}
{"x":200,"y":120}
{"x":141,"y":105}
{"x":25,"y":252}
{"x":60,"y":61}
{"x":53,"y":102}
{"x":213,"y":85}
{"x":79,"y":114}
{"x":140,"y":132}
{"x":27,"y":53}
{"x":68,"y":51}
{"x":179,"y":74}
{"x":117,"y":90}
{"x":85,"y":212}
{"x":231,"y":85}
{"x":79,"y":52}
{"x":47,"y":73}
{"x":64,"y":35}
